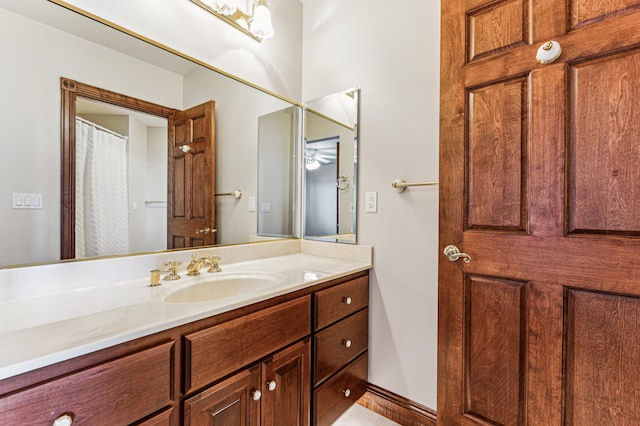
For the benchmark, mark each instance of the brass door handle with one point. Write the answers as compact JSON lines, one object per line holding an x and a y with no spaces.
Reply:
{"x":206,"y":231}
{"x":452,"y":253}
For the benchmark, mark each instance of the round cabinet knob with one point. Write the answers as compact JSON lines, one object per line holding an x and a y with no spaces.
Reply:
{"x":256,"y":395}
{"x":346,"y":300}
{"x":347,"y":343}
{"x":272,"y":385}
{"x":63,"y":420}
{"x":347,"y":393}
{"x":548,"y":52}
{"x":185,"y":148}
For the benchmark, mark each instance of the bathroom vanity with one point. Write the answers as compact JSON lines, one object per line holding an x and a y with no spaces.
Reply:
{"x":297,"y":357}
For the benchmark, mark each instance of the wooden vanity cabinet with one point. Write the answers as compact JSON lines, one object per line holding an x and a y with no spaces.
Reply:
{"x":341,"y":335}
{"x":121,"y":391}
{"x":273,"y":392}
{"x":290,"y":348}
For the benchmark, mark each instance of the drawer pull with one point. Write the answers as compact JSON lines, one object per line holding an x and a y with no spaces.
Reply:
{"x":256,"y":395}
{"x":272,"y":385}
{"x":347,"y":393}
{"x":63,"y":420}
{"x":347,"y":343}
{"x":346,"y":300}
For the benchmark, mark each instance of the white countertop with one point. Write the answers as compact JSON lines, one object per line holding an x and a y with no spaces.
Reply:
{"x":37,"y":331}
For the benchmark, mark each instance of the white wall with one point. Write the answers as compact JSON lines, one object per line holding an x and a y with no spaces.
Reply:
{"x":394,"y":60}
{"x":274,"y":64}
{"x":32,"y":133}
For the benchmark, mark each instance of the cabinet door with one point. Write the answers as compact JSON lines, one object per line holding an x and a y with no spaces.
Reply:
{"x":286,"y":386}
{"x":229,"y":403}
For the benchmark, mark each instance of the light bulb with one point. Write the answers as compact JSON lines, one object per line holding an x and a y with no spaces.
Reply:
{"x":225,"y":7}
{"x":261,"y":26}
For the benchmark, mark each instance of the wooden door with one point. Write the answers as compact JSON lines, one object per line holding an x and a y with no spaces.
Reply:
{"x":539,"y":184}
{"x":229,"y":403}
{"x":286,"y":383}
{"x":191,"y":183}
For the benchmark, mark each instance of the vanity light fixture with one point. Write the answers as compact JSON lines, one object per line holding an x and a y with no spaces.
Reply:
{"x":252,"y":17}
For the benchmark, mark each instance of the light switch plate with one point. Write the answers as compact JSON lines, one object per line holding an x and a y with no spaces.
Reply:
{"x":26,"y":200}
{"x":371,"y":202}
{"x":252,"y":203}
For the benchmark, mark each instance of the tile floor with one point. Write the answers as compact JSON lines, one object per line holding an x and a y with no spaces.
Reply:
{"x":357,"y":415}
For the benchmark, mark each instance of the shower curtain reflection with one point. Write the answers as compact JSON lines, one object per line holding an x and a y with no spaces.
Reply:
{"x":102,"y":216}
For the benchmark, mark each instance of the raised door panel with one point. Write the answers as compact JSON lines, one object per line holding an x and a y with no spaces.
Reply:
{"x":496,"y":27}
{"x":286,"y":386}
{"x":538,"y":328}
{"x":584,"y":12}
{"x":229,"y":403}
{"x":602,"y":358}
{"x":497,"y":156}
{"x":191,"y":181}
{"x":494,"y":350}
{"x":604,"y":153}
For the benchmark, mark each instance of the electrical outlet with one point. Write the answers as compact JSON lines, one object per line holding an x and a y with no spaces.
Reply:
{"x":371,"y":202}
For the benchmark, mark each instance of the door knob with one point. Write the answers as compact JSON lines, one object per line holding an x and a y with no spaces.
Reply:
{"x":452,"y":253}
{"x":548,"y":52}
{"x":206,"y":231}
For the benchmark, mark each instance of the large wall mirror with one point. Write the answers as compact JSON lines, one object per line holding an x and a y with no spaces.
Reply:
{"x":330,"y":171}
{"x":43,"y":42}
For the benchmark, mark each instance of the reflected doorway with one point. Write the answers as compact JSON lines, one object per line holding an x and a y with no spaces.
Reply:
{"x":322,"y":196}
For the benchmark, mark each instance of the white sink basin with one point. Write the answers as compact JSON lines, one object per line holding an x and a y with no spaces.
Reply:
{"x":222,"y":287}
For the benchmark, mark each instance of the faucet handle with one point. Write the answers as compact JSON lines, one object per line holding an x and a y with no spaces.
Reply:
{"x":172,"y":273}
{"x":214,"y":261}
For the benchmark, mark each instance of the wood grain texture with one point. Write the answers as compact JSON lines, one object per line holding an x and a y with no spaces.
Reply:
{"x":289,"y":403}
{"x":331,"y":352}
{"x":227,"y":403}
{"x":497,"y":151}
{"x":602,"y":358}
{"x":330,"y":399}
{"x":397,"y":408}
{"x":121,"y":391}
{"x":218,"y":351}
{"x":451,"y":209}
{"x":191,"y":181}
{"x":331,"y":304}
{"x":497,"y":27}
{"x":603,"y":147}
{"x":494,"y":350}
{"x":544,"y":373}
{"x":585,"y":12}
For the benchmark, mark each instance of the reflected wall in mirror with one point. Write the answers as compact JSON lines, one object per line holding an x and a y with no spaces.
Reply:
{"x":278,"y":137}
{"x":44,"y":42}
{"x":330,"y":172}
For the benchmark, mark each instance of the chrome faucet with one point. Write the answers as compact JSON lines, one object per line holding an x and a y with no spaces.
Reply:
{"x":193,"y":268}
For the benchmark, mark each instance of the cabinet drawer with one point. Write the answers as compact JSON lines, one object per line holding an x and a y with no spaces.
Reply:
{"x":213,"y":353}
{"x":338,"y":393}
{"x":337,"y":302}
{"x":340,"y":343}
{"x":121,"y":391}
